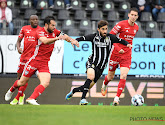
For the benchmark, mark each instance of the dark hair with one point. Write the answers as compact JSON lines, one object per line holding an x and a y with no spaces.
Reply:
{"x":102,"y":23}
{"x":133,"y":9}
{"x":48,"y":19}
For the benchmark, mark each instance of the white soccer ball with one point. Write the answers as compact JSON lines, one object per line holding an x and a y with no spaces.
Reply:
{"x":137,"y":100}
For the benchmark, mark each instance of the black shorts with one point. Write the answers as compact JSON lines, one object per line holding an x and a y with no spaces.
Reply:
{"x":98,"y":71}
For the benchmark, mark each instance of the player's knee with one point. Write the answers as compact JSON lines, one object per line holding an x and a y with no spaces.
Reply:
{"x":21,"y":83}
{"x":123,"y":76}
{"x":110,"y":77}
{"x":45,"y":84}
{"x":91,"y":77}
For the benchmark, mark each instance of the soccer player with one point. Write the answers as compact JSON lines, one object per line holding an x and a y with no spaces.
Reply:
{"x":101,"y":47}
{"x":28,"y":33}
{"x":39,"y":61}
{"x":126,"y":30}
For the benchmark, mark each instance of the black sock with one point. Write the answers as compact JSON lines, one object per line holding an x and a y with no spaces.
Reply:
{"x":78,"y":89}
{"x":86,"y":88}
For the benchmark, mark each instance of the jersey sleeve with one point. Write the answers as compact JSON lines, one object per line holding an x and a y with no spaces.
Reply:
{"x":86,"y":38}
{"x":117,"y":47}
{"x":39,"y":34}
{"x":57,"y":32}
{"x":114,"y":39}
{"x":21,"y":33}
{"x":116,"y":29}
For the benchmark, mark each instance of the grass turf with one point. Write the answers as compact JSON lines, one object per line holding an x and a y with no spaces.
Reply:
{"x":80,"y":115}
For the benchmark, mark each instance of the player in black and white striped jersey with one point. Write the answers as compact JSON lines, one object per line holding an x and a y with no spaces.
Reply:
{"x":101,"y":46}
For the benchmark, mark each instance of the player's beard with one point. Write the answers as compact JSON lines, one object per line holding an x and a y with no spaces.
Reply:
{"x":103,"y":34}
{"x":49,"y":30}
{"x":34,"y":26}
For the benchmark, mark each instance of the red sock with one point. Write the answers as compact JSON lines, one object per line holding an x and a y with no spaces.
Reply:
{"x":14,"y":86}
{"x":120,"y":87}
{"x":37,"y":91}
{"x":106,"y":80}
{"x":21,"y":90}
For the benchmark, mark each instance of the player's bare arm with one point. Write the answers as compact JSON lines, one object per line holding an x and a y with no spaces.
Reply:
{"x":69,"y":39}
{"x":121,"y":51}
{"x":46,"y":40}
{"x":20,"y":51}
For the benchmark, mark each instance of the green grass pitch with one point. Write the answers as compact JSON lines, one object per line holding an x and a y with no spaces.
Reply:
{"x":81,"y":115}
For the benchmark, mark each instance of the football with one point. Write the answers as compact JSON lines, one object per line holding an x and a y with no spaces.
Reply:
{"x":137,"y":100}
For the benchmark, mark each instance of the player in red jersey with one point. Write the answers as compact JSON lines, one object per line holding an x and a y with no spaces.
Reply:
{"x":39,"y":61}
{"x":121,"y":55}
{"x":28,"y":33}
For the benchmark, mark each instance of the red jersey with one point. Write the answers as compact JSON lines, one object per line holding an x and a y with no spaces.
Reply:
{"x":44,"y":51}
{"x":29,"y":35}
{"x":125,"y":31}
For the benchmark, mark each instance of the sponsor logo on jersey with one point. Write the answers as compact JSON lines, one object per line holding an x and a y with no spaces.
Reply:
{"x":41,"y":33}
{"x":26,"y":72}
{"x":129,"y":37}
{"x":28,"y":31}
{"x":47,"y":35}
{"x":101,"y":44}
{"x":113,"y":62}
{"x":30,"y":38}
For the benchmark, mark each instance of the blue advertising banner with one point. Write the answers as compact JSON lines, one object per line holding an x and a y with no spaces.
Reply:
{"x":74,"y":61}
{"x":148,"y":57}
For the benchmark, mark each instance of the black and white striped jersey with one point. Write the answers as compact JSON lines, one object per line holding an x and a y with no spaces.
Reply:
{"x":101,"y":47}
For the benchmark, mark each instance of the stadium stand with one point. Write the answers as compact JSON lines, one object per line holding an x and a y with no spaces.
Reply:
{"x":85,"y":11}
{"x":68,"y":24}
{"x":91,"y":5}
{"x":96,"y":15}
{"x":161,"y":17}
{"x":157,"y":34}
{"x":58,"y":5}
{"x":29,"y":12}
{"x":63,"y":15}
{"x":15,"y":12}
{"x":108,"y":6}
{"x":11,"y":3}
{"x":42,"y":4}
{"x":124,"y":6}
{"x":80,"y":15}
{"x":46,"y":13}
{"x":25,"y":4}
{"x":151,"y":26}
{"x":141,"y":34}
{"x":139,"y":24}
{"x":113,"y":16}
{"x":76,"y":4}
{"x":73,"y":32}
{"x":85,"y":25}
{"x":146,"y":16}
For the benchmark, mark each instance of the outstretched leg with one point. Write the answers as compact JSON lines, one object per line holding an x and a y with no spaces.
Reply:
{"x":123,"y":75}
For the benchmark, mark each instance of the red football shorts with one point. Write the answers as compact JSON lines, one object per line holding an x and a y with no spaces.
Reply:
{"x":34,"y":65}
{"x":122,"y":61}
{"x":21,"y":66}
